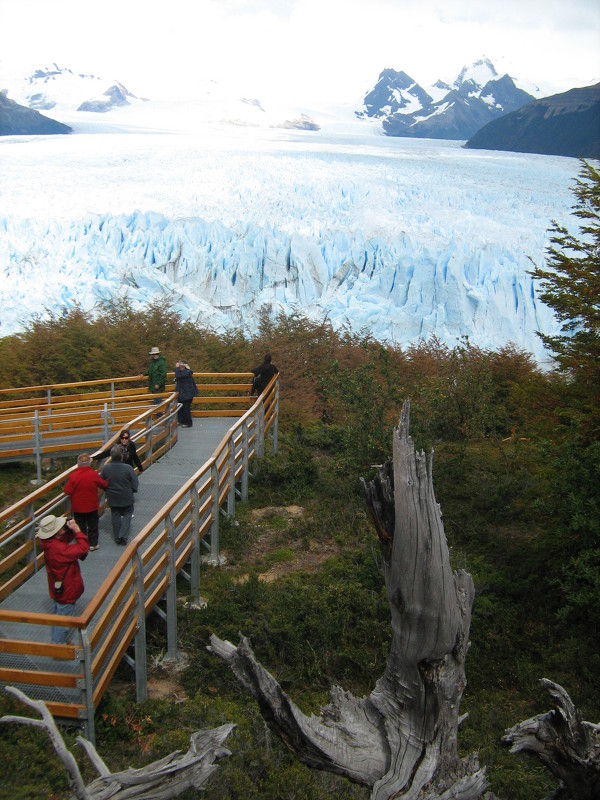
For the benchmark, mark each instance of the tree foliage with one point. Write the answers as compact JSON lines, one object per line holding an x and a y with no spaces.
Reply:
{"x":570,"y":285}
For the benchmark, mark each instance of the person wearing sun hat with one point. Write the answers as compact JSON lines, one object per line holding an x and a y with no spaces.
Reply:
{"x":64,"y":545}
{"x":157,"y":371}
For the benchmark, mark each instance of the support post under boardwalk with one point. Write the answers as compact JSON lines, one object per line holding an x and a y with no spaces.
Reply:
{"x":214,"y":527}
{"x":172,"y":594}
{"x":141,"y":666}
{"x":231,"y":495}
{"x":245,"y":461}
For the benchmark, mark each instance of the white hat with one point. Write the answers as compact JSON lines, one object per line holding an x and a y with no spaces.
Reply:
{"x":154,"y":351}
{"x":50,"y":525}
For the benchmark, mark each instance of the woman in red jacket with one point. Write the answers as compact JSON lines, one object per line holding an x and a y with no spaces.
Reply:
{"x":65,"y":584}
{"x":82,"y":486}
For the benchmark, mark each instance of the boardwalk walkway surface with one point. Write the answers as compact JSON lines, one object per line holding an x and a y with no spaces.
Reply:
{"x":158,"y":483}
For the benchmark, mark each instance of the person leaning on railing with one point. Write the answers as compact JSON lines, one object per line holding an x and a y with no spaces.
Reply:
{"x":263,"y":374}
{"x":65,"y":584}
{"x":186,"y":388}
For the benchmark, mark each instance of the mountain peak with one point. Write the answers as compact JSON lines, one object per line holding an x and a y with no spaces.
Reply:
{"x":479,"y":72}
{"x":56,"y":87}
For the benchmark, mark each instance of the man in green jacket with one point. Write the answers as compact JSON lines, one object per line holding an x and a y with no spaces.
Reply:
{"x":157,"y":371}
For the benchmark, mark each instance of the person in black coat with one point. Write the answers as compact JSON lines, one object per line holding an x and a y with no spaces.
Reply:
{"x":263,"y":374}
{"x":186,"y":387}
{"x":130,"y":455}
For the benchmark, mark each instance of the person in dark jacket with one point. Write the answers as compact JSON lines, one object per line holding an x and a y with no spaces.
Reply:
{"x":187,"y":390}
{"x":130,"y":454}
{"x":65,"y":584}
{"x":122,"y":485}
{"x":263,"y":374}
{"x":82,"y":486}
{"x":157,"y":371}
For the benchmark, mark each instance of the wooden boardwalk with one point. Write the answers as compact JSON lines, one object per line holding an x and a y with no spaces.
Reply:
{"x":158,"y":484}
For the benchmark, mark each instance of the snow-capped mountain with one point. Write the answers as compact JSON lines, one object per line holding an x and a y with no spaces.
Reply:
{"x":55,"y":88}
{"x":477,"y":96}
{"x":76,"y":99}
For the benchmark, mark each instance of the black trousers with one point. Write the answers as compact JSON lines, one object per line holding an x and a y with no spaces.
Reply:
{"x":184,"y":415}
{"x":88,"y":522}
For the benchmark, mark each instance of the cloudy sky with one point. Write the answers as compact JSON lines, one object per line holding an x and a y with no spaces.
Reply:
{"x":312,"y":50}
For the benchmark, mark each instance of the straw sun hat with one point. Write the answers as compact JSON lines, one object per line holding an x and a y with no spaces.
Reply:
{"x":50,"y":525}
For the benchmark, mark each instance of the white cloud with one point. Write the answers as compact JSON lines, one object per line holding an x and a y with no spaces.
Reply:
{"x":312,"y":49}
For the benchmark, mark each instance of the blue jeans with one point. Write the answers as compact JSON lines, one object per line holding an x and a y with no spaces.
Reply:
{"x":121,"y":521}
{"x":63,"y":635}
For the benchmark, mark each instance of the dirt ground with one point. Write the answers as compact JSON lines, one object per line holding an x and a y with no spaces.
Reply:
{"x":273,"y":527}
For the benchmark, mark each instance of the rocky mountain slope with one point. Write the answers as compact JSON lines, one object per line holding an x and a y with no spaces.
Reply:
{"x":566,"y":124}
{"x":18,"y":120}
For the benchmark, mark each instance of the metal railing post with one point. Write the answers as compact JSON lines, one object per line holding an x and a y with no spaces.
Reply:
{"x":276,"y":421}
{"x":148,"y":436}
{"x":195,"y":557}
{"x":171,"y":594}
{"x":38,"y":447}
{"x":141,"y":667}
{"x":231,"y":495}
{"x":214,"y":527}
{"x":32,"y":556}
{"x":245,"y":460}
{"x":260,"y":442}
{"x":106,"y":426}
{"x":88,"y":686}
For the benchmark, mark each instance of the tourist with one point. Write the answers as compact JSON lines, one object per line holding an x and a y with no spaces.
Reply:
{"x":156,"y":372}
{"x":64,"y":545}
{"x":82,"y":486}
{"x":186,"y":388}
{"x":263,"y":375}
{"x":122,"y":485}
{"x":130,"y":454}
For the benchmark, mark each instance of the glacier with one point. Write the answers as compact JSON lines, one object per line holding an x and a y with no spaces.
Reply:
{"x":402,"y":238}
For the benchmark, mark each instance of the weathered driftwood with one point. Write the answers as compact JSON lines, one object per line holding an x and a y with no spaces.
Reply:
{"x":567,"y":745}
{"x":160,"y":780}
{"x":401,"y":740}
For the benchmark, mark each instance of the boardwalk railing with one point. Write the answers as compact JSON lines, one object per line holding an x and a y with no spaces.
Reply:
{"x":171,"y":544}
{"x":38,"y":422}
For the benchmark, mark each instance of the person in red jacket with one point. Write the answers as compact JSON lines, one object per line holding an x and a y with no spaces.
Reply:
{"x":82,"y":486}
{"x":64,"y":544}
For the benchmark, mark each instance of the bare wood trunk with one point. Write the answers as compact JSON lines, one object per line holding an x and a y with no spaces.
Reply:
{"x":567,"y":745}
{"x":401,"y":740}
{"x":160,"y":780}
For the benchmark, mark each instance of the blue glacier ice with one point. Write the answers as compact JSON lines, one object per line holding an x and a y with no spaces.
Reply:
{"x":404,"y":238}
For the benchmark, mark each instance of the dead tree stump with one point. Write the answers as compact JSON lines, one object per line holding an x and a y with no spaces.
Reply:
{"x":159,"y":780}
{"x":401,"y":740}
{"x":567,"y":745}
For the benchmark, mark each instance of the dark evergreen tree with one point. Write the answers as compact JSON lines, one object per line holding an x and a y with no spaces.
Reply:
{"x":570,"y":285}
